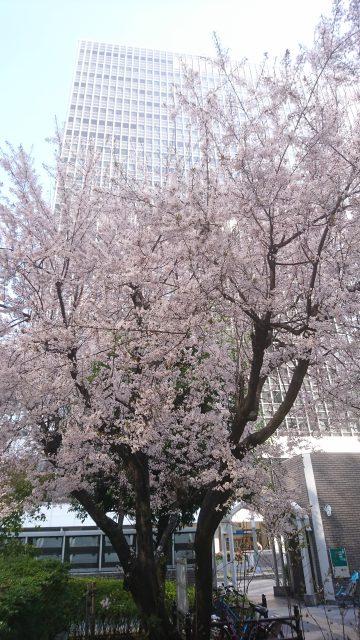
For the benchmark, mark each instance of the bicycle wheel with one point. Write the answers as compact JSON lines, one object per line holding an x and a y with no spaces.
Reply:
{"x":281,"y":630}
{"x":258,"y":631}
{"x":220,"y":632}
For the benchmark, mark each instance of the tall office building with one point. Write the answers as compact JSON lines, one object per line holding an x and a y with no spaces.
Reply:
{"x":124,"y":106}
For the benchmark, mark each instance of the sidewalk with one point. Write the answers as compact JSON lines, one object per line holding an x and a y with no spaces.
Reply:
{"x":324,"y":622}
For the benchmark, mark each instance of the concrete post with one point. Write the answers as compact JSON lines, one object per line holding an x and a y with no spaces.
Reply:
{"x":254,"y":540}
{"x":310,"y":597}
{"x":276,"y":569}
{"x":319,"y":534}
{"x":282,"y":564}
{"x":224,"y":551}
{"x":232,"y":552}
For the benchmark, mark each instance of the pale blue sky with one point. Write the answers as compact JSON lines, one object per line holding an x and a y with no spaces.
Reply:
{"x":38,"y":44}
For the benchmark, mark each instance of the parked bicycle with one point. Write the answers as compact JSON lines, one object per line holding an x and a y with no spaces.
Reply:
{"x":351,"y":591}
{"x":237,"y":618}
{"x":281,"y":628}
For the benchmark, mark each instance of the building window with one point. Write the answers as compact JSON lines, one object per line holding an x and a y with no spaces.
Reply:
{"x":49,"y":546}
{"x":109,"y":556}
{"x":184,"y":546}
{"x":82,"y":552}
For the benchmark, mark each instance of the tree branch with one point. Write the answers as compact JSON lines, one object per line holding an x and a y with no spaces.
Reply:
{"x":112,"y":529}
{"x":61,"y":302}
{"x":245,"y":409}
{"x":259,"y":437}
{"x":169,"y":529}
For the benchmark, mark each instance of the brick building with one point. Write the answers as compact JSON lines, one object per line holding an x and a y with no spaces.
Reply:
{"x":326,"y":485}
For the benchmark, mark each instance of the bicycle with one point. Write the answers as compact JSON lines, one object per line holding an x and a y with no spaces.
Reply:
{"x":234,"y":614}
{"x":220,"y":630}
{"x":263,"y":629}
{"x":227,"y":624}
{"x":351,"y":591}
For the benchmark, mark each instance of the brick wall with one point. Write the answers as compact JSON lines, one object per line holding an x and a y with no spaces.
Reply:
{"x":337,"y":477}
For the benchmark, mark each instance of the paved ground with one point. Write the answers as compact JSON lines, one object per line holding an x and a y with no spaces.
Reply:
{"x":320,"y":623}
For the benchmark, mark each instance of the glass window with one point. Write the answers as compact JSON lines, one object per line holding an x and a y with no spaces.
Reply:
{"x":110,"y":557}
{"x":184,"y":546}
{"x":81,"y":559}
{"x":82,"y":551}
{"x":83,"y":541}
{"x":54,"y":542}
{"x":49,"y":546}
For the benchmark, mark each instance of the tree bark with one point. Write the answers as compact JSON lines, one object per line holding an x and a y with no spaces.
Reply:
{"x":203,"y":585}
{"x":141,"y":571}
{"x":144,"y":582}
{"x":211,"y":513}
{"x":148,"y":596}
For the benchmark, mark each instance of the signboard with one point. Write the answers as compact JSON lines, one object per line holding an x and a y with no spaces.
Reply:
{"x":339,"y":562}
{"x":181,"y":586}
{"x":242,"y":532}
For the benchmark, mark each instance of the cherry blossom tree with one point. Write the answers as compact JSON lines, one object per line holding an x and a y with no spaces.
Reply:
{"x":276,"y":209}
{"x":96,"y":353}
{"x":141,"y":325}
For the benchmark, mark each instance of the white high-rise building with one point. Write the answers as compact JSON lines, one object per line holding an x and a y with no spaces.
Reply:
{"x":123,"y":105}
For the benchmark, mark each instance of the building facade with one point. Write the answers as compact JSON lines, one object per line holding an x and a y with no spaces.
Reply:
{"x":124,"y":106}
{"x":87,"y":550}
{"x":326,"y":486}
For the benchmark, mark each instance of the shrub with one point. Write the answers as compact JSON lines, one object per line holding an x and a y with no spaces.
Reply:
{"x":35,"y":601}
{"x":110,"y":596}
{"x":170,"y":594}
{"x":115,"y":611}
{"x":38,"y":599}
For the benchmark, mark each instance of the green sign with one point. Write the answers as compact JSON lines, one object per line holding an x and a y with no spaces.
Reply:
{"x":338,"y":557}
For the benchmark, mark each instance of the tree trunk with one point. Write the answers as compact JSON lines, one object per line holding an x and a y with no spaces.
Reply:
{"x":144,"y":580}
{"x":149,"y":598}
{"x":141,"y":572}
{"x":203,"y":585}
{"x":210,"y":516}
{"x":211,"y":513}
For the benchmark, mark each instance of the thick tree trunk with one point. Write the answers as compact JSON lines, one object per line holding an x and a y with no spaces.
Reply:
{"x":210,"y":516}
{"x":144,"y":582}
{"x":141,"y":571}
{"x":203,"y":586}
{"x":148,"y":595}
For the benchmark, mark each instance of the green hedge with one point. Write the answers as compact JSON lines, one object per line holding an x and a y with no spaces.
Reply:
{"x":113,"y":605}
{"x":115,"y":609}
{"x":38,"y":599}
{"x":170,"y":594}
{"x":35,"y":601}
